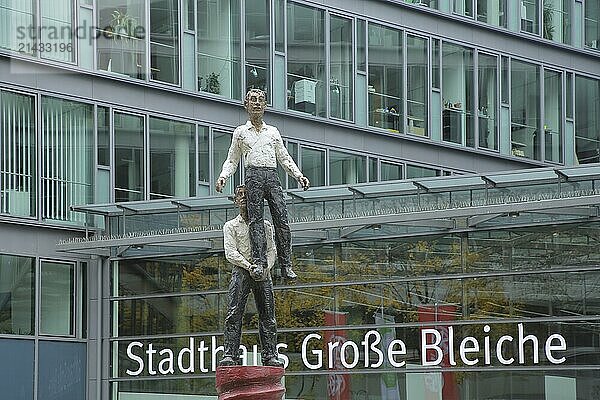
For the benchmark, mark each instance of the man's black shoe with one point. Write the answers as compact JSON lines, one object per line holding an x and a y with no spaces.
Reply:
{"x":273,"y":362}
{"x":288,"y":274}
{"x":227,"y":362}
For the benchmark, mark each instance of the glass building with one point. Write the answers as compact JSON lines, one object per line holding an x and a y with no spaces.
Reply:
{"x":452,"y":147}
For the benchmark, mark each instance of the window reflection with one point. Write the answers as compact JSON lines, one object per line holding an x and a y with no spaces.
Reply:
{"x":557,"y":20}
{"x":129,"y":157}
{"x":587,"y":120}
{"x":529,"y":16}
{"x":257,"y":41}
{"x":385,"y":78}
{"x":313,"y":165}
{"x":218,"y":47}
{"x":306,"y":60}
{"x":13,"y":15}
{"x":553,"y":114}
{"x":221,"y":143}
{"x":57,"y":298}
{"x":17,"y":295}
{"x":346,"y":168}
{"x":164,"y":40}
{"x":488,"y":101}
{"x":525,"y":105}
{"x":417,"y":85}
{"x":341,"y":72}
{"x":492,"y":12}
{"x":592,"y":24}
{"x":457,"y":94}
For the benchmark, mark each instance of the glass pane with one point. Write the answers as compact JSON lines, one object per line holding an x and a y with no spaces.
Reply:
{"x":415,"y":171}
{"x":341,"y":69}
{"x":488,"y":102}
{"x":553,"y":115}
{"x":57,"y":298}
{"x":385,"y":78}
{"x":463,"y":7}
{"x":390,"y":172}
{"x":361,"y":44}
{"x":504,"y":81}
{"x":346,"y":168}
{"x":525,"y":105}
{"x":17,"y":295}
{"x":557,"y":20}
{"x":592,"y":24}
{"x":258,"y":49}
{"x":203,"y":155}
{"x":492,"y":12}
{"x":172,"y":159}
{"x":373,"y":170}
{"x":221,"y":142}
{"x":103,"y":136}
{"x":587,"y":120}
{"x":279,"y":9}
{"x":427,"y":3}
{"x":18,"y":375}
{"x":129,"y":157}
{"x":529,"y":16}
{"x":569,"y":95}
{"x":435,"y":53}
{"x":313,"y":166}
{"x":219,"y":47}
{"x":18,"y":170}
{"x":67,"y":158}
{"x":15,"y":17}
{"x":457,"y":94}
{"x":164,"y":40}
{"x":57,"y":30}
{"x":416,"y":85}
{"x":63,"y":362}
{"x":306,"y":59}
{"x":121,"y":42}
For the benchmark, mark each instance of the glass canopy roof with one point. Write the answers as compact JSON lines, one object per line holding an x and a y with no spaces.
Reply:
{"x":356,"y":212}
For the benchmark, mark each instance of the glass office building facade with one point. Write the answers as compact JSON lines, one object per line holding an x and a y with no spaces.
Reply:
{"x":115,"y":119}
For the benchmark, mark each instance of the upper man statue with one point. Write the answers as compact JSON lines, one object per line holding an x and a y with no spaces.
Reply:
{"x":262,"y":146}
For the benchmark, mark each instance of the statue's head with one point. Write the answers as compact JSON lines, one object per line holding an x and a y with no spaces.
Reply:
{"x":240,"y":198}
{"x":255,"y":102}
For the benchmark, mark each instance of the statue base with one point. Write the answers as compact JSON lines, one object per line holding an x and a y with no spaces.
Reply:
{"x":250,"y":383}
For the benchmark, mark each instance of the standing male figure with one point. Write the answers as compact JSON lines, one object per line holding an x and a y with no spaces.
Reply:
{"x":248,"y":277}
{"x":262,"y":146}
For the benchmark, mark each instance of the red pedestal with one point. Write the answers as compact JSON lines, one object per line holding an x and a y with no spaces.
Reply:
{"x":250,"y":383}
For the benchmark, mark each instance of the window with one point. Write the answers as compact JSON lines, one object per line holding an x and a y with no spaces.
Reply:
{"x":492,"y":12}
{"x":361,"y":45}
{"x":415,"y":171}
{"x":457,"y":94}
{"x":172,"y":159}
{"x":529,"y":16}
{"x":435,"y":63}
{"x":557,"y":20}
{"x":416,"y":85}
{"x":121,"y":43}
{"x":525,"y":106}
{"x":221,"y":143}
{"x":385,"y":78}
{"x":57,"y":298}
{"x":592,"y":24}
{"x":341,"y":68}
{"x":17,"y":295}
{"x":204,"y":161}
{"x":129,"y":157}
{"x":426,"y":3}
{"x":463,"y":7}
{"x":164,"y":41}
{"x":57,"y":30}
{"x":390,"y":171}
{"x":313,"y":165}
{"x":346,"y":168}
{"x":219,"y":47}
{"x":15,"y":18}
{"x":373,"y":169}
{"x":67,"y":158}
{"x":553,"y":116}
{"x":18,"y":169}
{"x":258,"y":49}
{"x":488,"y":101}
{"x":103,"y":128}
{"x":279,"y":10}
{"x":587,"y":120}
{"x":306,"y":60}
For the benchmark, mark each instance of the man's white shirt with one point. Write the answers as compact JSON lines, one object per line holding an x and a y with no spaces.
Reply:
{"x":236,"y":241}
{"x":261,"y":148}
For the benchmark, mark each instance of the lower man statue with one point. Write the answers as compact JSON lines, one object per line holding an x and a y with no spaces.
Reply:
{"x":246,"y":277}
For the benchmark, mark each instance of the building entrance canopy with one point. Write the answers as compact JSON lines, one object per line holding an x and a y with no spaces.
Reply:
{"x":406,"y":208}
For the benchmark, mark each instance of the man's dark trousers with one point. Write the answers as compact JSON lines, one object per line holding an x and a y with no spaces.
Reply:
{"x":239,"y":288}
{"x":263,"y":183}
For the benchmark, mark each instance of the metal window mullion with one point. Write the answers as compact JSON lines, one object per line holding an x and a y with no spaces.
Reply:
{"x":146,"y":161}
{"x":326,"y":84}
{"x":12,"y":149}
{"x":181,"y":21}
{"x":37,"y":320}
{"x":2,"y":153}
{"x":61,"y":139}
{"x":428,"y":86}
{"x":211,"y":171}
{"x":147,"y":71}
{"x":498,"y":101}
{"x":475,"y":98}
{"x":112,"y":147}
{"x":541,"y":108}
{"x":563,"y":120}
{"x":243,"y":64}
{"x":404,"y":55}
{"x":271,"y":74}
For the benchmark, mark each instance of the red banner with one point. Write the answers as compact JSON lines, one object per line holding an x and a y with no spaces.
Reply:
{"x":434,"y":314}
{"x":338,"y":384}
